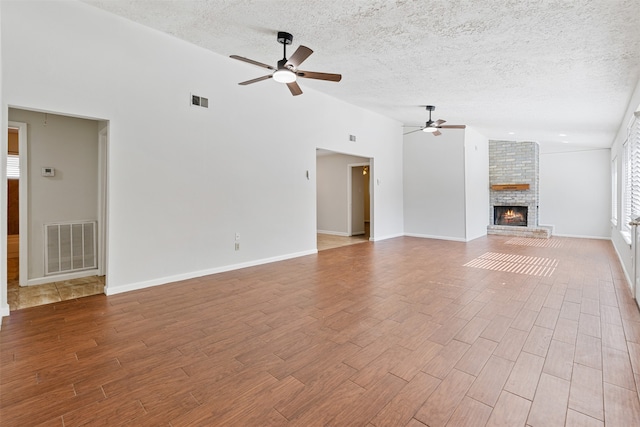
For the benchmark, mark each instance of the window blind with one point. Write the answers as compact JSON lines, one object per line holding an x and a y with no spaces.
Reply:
{"x":13,"y":166}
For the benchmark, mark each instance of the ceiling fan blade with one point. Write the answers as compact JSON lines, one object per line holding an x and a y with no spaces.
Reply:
{"x":294,"y":88}
{"x":299,"y":56}
{"x":259,"y":79}
{"x":453,"y":127}
{"x":319,"y":76}
{"x":417,"y":130}
{"x":439,"y":122}
{"x":251,"y":61}
{"x":436,"y":133}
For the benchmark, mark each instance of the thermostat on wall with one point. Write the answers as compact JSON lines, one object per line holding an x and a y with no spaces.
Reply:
{"x":48,"y":171}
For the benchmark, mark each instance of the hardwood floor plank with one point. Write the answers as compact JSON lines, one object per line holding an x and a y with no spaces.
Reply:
{"x":570,"y":310}
{"x":488,"y":385}
{"x":538,"y":341}
{"x":547,"y":318}
{"x":588,"y":351}
{"x":448,"y":331}
{"x":408,"y":367}
{"x":470,"y":413}
{"x":559,"y":361}
{"x":444,"y":400}
{"x":634,"y":355}
{"x":621,"y":406}
{"x":587,"y":394}
{"x":404,"y":405}
{"x":370,"y":402}
{"x":497,"y":328}
{"x":314,"y":391}
{"x":511,"y":410}
{"x":524,"y":320}
{"x":511,"y":344}
{"x":613,"y":336}
{"x":566,"y":330}
{"x":549,"y":407}
{"x":589,"y":325}
{"x":322,"y":410}
{"x":617,"y":368}
{"x":525,"y":375}
{"x":441,"y":365}
{"x":474,"y":359}
{"x":577,"y":419}
{"x":379,"y":367}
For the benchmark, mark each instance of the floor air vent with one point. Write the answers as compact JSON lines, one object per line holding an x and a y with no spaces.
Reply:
{"x":70,"y":247}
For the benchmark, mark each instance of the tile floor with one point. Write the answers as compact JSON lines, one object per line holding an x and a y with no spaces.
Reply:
{"x":20,"y":297}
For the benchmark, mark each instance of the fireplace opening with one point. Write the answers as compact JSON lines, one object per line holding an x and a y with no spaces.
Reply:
{"x":510,"y":215}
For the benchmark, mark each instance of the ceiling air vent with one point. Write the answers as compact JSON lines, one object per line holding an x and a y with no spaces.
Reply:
{"x":199,"y":101}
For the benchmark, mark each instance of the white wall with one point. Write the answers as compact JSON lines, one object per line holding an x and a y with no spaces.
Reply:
{"x":434,"y":190}
{"x":622,"y":243}
{"x":575,"y":191}
{"x":477,"y":205}
{"x":4,"y":114}
{"x":183,"y":180}
{"x":332,"y":207}
{"x":70,"y":145}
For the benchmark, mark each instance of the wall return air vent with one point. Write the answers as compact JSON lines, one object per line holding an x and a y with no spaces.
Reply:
{"x":70,"y":247}
{"x":199,"y":101}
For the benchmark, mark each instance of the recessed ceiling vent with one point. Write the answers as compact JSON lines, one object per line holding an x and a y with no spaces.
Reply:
{"x":199,"y":101}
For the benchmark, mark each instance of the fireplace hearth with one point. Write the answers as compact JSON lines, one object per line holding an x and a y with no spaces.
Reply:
{"x":510,"y":215}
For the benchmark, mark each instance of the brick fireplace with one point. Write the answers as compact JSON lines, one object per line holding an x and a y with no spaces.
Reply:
{"x":514,"y":196}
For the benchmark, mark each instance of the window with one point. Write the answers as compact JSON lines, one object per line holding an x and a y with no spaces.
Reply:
{"x":13,"y":166}
{"x":631,"y":170}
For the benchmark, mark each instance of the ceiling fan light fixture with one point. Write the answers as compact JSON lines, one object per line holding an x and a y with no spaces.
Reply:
{"x":430,"y":129}
{"x":284,"y":75}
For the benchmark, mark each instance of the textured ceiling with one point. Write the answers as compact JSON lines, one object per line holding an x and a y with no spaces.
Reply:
{"x":513,"y":69}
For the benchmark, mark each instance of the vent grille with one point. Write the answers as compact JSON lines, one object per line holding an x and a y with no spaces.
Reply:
{"x":70,"y":247}
{"x":199,"y":101}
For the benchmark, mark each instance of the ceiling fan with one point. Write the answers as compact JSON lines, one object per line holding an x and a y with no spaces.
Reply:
{"x":434,"y":126}
{"x":287,"y":69}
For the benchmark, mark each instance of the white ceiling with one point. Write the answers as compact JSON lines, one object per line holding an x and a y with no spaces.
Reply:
{"x":513,"y":69}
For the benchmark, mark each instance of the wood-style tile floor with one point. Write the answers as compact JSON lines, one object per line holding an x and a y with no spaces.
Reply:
{"x":391,"y":333}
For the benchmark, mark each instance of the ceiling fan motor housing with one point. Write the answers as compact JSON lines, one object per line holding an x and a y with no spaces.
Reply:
{"x":284,"y":37}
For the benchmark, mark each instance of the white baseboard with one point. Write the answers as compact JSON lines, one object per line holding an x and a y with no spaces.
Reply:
{"x":575,"y":236}
{"x":428,"y":236}
{"x":389,"y":236}
{"x":113,"y":290}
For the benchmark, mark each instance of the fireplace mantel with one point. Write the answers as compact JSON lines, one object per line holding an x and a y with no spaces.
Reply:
{"x":507,"y":187}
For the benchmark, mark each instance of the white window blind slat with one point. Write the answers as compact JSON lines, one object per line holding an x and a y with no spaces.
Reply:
{"x":631,"y":190}
{"x":13,"y":166}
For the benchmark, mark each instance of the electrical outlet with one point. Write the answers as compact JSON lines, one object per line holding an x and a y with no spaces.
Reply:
{"x":237,"y":246}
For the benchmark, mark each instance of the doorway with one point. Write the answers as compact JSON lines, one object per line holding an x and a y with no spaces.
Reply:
{"x":359,"y":200}
{"x":13,"y":201}
{"x":65,"y":154}
{"x":343,"y":199}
